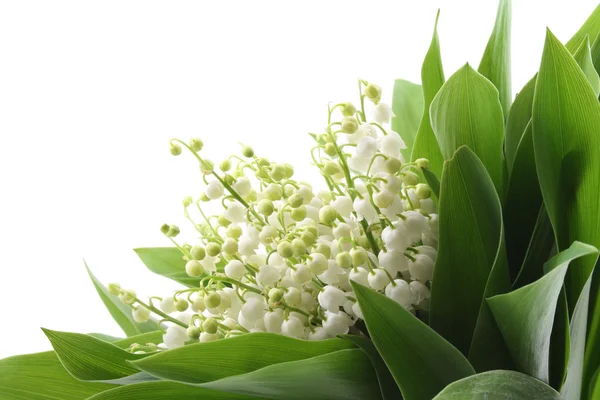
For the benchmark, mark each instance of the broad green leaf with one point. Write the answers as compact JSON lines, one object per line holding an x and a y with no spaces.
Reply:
{"x":470,"y":218}
{"x":432,"y":181}
{"x":162,"y":390}
{"x":91,"y":359}
{"x":559,"y":343}
{"x":421,"y":362}
{"x":583,"y":57}
{"x":466,"y":111}
{"x":168,"y":262}
{"x":498,"y":385}
{"x":432,"y":77}
{"x":233,"y":356}
{"x":596,"y":53}
{"x":341,"y":375}
{"x":495,"y":63}
{"x":566,"y":116}
{"x":519,"y":118}
{"x":41,"y":376}
{"x":526,"y":316}
{"x":591,"y":28}
{"x":143,"y":338}
{"x":389,"y":389}
{"x":407,"y":105}
{"x":120,"y":312}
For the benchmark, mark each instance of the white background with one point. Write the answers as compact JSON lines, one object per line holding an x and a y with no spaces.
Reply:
{"x":91,"y":92}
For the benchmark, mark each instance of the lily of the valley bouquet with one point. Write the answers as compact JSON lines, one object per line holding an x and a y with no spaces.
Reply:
{"x":448,"y":253}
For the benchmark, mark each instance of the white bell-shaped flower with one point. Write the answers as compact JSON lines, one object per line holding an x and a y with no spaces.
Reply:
{"x":359,"y":275}
{"x":337,"y":323}
{"x":235,"y":213}
{"x":254,"y":309}
{"x":428,"y":250}
{"x":242,"y":186}
{"x":378,"y":279}
{"x":292,"y":327}
{"x":382,"y":113}
{"x":391,"y":212}
{"x":208,"y":337}
{"x":331,"y":298}
{"x":391,"y":144}
{"x":393,"y":261}
{"x":167,"y":304}
{"x":364,"y":209}
{"x":419,"y":292}
{"x":400,"y":292}
{"x":214,"y":190}
{"x":175,"y":337}
{"x":274,"y":320}
{"x":319,"y":333}
{"x":235,"y":269}
{"x":421,"y":268}
{"x":367,"y":147}
{"x":414,"y":224}
{"x":268,"y":275}
{"x":427,"y":205}
{"x":395,"y":238}
{"x":343,"y":205}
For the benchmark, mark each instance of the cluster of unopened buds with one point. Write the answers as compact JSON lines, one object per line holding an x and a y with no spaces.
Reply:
{"x":279,"y":255}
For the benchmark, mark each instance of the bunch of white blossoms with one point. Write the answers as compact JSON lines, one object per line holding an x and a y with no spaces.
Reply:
{"x":280,"y":254}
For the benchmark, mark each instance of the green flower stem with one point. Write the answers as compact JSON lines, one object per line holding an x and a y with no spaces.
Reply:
{"x":159,"y":312}
{"x":229,"y":280}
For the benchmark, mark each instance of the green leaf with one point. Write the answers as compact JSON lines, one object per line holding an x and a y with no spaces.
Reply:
{"x":407,"y":105}
{"x":233,"y":356}
{"x":162,"y":390}
{"x":41,"y":376}
{"x":526,"y":316}
{"x":495,"y":63}
{"x":432,"y":181}
{"x":91,"y":359}
{"x":345,"y":374}
{"x":466,"y":111}
{"x":432,"y":77}
{"x":421,"y":362}
{"x":389,"y":389}
{"x":591,"y":28}
{"x":583,"y":57}
{"x":519,"y":118}
{"x":120,"y":312}
{"x":498,"y":385}
{"x":566,"y":116}
{"x":470,"y":218}
{"x":595,"y":53}
{"x":168,"y":262}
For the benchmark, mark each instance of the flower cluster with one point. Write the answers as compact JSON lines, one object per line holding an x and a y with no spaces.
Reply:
{"x":279,"y":255}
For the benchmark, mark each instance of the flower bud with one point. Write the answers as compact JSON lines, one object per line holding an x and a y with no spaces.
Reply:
{"x":194,"y":268}
{"x":214,"y":190}
{"x":114,"y":289}
{"x":349,"y":125}
{"x":247,"y":151}
{"x":275,"y":295}
{"x":299,"y":247}
{"x":212,"y":300}
{"x":308,"y":238}
{"x":392,"y":165}
{"x":343,"y":259}
{"x":301,"y":274}
{"x":359,"y":256}
{"x":187,"y":201}
{"x":410,"y":178}
{"x":208,"y":337}
{"x":198,"y":305}
{"x":193,"y":332}
{"x":198,"y":253}
{"x":348,"y":109}
{"x":223,"y":221}
{"x":207,"y":166}
{"x":262,"y":162}
{"x":234,"y":231}
{"x":423,"y":191}
{"x":284,"y":249}
{"x":324,"y":249}
{"x":175,"y":149}
{"x":422,"y":163}
{"x":331,"y":168}
{"x":295,"y":200}
{"x":165,"y":228}
{"x":181,"y":305}
{"x":330,"y":149}
{"x":298,"y":214}
{"x":265,"y":207}
{"x":204,"y":198}
{"x":293,"y":297}
{"x":289,"y":170}
{"x":225,"y":165}
{"x":277,"y":172}
{"x":373,"y":92}
{"x":196,"y":144}
{"x":318,"y":263}
{"x":230,"y":246}
{"x":210,"y":325}
{"x":173,"y":231}
{"x":272,"y":192}
{"x":383,"y":199}
{"x":327,"y":215}
{"x":141,"y":315}
{"x":213,"y":249}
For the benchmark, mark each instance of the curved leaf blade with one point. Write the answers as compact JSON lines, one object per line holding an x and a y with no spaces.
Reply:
{"x":166,"y":390}
{"x":495,"y":63}
{"x":233,"y":356}
{"x":407,"y":105}
{"x":421,"y":362}
{"x":432,"y":78}
{"x":591,"y":28}
{"x":466,"y":111}
{"x":498,"y":385}
{"x":168,"y":262}
{"x":518,"y":119}
{"x":583,"y":56}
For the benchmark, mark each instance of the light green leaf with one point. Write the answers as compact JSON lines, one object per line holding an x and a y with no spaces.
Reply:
{"x":233,"y":356}
{"x":407,"y":105}
{"x":498,"y":385}
{"x":526,"y":316}
{"x":91,"y":359}
{"x":120,"y":312}
{"x":432,"y":181}
{"x":495,"y":63}
{"x":389,"y":389}
{"x":41,"y":376}
{"x":421,"y":362}
{"x":596,"y":53}
{"x":432,"y":77}
{"x":341,"y":375}
{"x":519,"y":118}
{"x":466,"y":111}
{"x":566,"y":116}
{"x":168,"y":262}
{"x":162,"y":390}
{"x":470,"y":218}
{"x":591,"y":28}
{"x":583,"y":57}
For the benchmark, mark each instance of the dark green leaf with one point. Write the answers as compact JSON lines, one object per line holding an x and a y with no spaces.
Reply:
{"x":119,"y":311}
{"x":421,"y":362}
{"x":166,"y":390}
{"x":91,"y":359}
{"x":559,"y":342}
{"x":526,"y":316}
{"x":41,"y":376}
{"x":341,"y":375}
{"x":168,"y":262}
{"x":407,"y":105}
{"x":432,"y":77}
{"x":432,"y":181}
{"x":498,"y":385}
{"x":466,"y":111}
{"x":233,"y":356}
{"x":495,"y":63}
{"x":470,"y":218}
{"x":389,"y":389}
